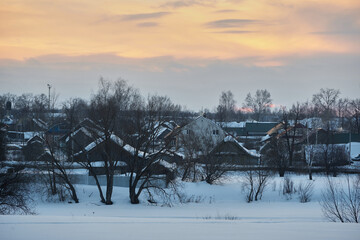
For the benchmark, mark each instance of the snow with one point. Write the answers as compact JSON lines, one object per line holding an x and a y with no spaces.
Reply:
{"x":29,"y":135}
{"x":253,"y":153}
{"x":266,"y":137}
{"x":83,"y":129}
{"x":221,"y":213}
{"x":355,"y":148}
{"x":232,"y":124}
{"x":116,"y":140}
{"x":171,"y":166}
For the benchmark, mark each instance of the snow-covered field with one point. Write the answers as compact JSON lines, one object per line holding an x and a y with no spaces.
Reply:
{"x":215,"y":212}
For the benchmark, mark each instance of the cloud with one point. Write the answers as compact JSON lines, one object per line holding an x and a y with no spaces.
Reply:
{"x":141,"y":16}
{"x":230,"y":23}
{"x":187,"y":3}
{"x":148,"y":24}
{"x":344,"y":32}
{"x":132,"y":17}
{"x":225,"y":11}
{"x":236,"y":32}
{"x":341,"y":24}
{"x":327,"y":20}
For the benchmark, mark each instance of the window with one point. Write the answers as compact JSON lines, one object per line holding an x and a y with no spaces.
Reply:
{"x":215,"y":132}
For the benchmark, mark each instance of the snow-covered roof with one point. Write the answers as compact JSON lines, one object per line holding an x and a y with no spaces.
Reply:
{"x":232,"y":124}
{"x":117,"y":140}
{"x":126,"y":147}
{"x":171,"y":166}
{"x":82,"y":129}
{"x":264,"y":138}
{"x":230,"y":138}
{"x":40,"y":123}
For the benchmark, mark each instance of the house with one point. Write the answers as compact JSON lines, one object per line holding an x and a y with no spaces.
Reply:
{"x":54,"y":133}
{"x":234,"y":128}
{"x":95,"y":153}
{"x":162,"y":130}
{"x":231,"y":151}
{"x":34,"y":148}
{"x":3,"y":129}
{"x":30,"y":125}
{"x":252,"y":133}
{"x":122,"y":154}
{"x":83,"y":134}
{"x":202,"y":130}
{"x":321,"y":136}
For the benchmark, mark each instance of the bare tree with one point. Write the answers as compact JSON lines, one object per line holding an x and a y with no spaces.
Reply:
{"x":291,"y":131}
{"x":60,"y":168}
{"x":104,"y":111}
{"x":226,"y":107}
{"x":342,"y":110}
{"x":145,"y":165}
{"x":325,"y":101}
{"x":190,"y":145}
{"x":354,"y":112}
{"x":14,"y":194}
{"x":342,"y":204}
{"x":75,"y":109}
{"x":202,"y":161}
{"x":259,"y":103}
{"x":255,"y":182}
{"x":277,"y":156}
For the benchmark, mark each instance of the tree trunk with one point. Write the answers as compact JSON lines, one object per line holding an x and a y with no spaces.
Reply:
{"x":281,"y":172}
{"x":98,"y":185}
{"x":54,"y":190}
{"x":194,"y":174}
{"x":134,"y":198}
{"x":73,"y":193}
{"x":185,"y":174}
{"x":109,"y":189}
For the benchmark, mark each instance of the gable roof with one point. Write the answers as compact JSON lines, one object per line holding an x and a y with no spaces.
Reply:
{"x":259,"y":127}
{"x":115,"y":139}
{"x":231,"y":140}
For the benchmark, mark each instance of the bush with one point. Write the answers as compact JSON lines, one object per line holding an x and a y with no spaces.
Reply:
{"x":305,"y":191}
{"x":288,"y":188}
{"x":342,"y":203}
{"x":14,"y":194}
{"x":255,"y":183}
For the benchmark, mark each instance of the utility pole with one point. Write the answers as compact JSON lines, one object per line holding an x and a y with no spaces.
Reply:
{"x":49,"y":86}
{"x":350,"y":144}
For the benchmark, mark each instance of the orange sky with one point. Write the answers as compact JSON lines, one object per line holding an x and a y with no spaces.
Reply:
{"x":181,"y":29}
{"x":190,"y":50}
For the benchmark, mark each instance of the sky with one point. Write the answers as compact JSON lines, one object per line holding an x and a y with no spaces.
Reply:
{"x":189,"y":50}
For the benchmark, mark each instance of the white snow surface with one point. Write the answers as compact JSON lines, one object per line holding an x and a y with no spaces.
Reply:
{"x":230,"y":138}
{"x":116,"y":140}
{"x":221,"y":213}
{"x":232,"y":124}
{"x":355,"y":148}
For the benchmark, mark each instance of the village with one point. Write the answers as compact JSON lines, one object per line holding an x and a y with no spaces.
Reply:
{"x":119,"y":139}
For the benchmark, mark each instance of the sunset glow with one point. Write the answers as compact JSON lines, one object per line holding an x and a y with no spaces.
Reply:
{"x":182,"y":29}
{"x":181,"y":48}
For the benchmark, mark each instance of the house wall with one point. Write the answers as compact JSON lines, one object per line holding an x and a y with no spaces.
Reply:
{"x":228,"y":152}
{"x":203,"y":129}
